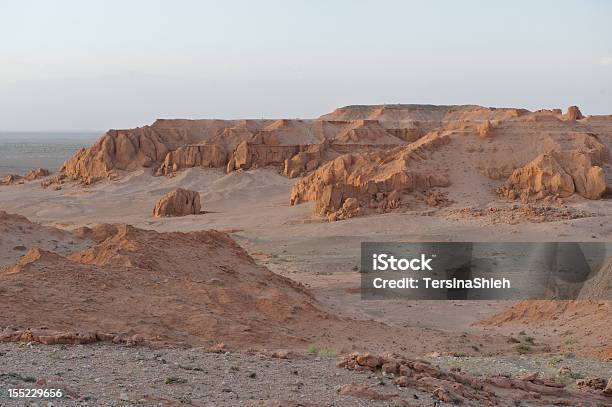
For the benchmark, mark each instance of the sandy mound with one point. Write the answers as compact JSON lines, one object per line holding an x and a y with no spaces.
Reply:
{"x":179,"y":202}
{"x":197,"y":287}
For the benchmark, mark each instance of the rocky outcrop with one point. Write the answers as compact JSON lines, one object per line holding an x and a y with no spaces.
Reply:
{"x":36,"y":174}
{"x":118,"y":151}
{"x":573,"y":113}
{"x":460,"y":388}
{"x":179,"y":202}
{"x":369,"y":152}
{"x":541,"y":177}
{"x":207,"y":155}
{"x":11,"y":179}
{"x":370,"y":178}
{"x":304,"y":161}
{"x":32,"y":175}
{"x":250,"y":155}
{"x":545,"y":176}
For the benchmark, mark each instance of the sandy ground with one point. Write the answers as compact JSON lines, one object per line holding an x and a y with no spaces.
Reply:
{"x":254,"y":208}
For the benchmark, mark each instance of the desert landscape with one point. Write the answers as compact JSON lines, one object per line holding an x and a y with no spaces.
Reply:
{"x":216,"y":262}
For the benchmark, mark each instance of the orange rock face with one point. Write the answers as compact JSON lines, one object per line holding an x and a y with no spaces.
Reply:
{"x":179,"y":202}
{"x":541,"y":176}
{"x":573,"y":113}
{"x":377,"y":154}
{"x":368,"y":177}
{"x":207,"y":155}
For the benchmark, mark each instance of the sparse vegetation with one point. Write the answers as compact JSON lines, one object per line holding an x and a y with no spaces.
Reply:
{"x":328,"y":353}
{"x":324,"y":352}
{"x":522,"y":347}
{"x":571,"y":341}
{"x":17,"y":376}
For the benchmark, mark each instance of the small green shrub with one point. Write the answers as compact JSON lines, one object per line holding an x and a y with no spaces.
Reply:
{"x":522,"y":347}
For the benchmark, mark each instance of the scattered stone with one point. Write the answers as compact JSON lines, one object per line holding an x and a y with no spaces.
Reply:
{"x":595,"y":383}
{"x":362,"y":391}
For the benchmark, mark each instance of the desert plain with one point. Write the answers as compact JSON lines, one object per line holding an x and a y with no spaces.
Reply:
{"x":252,"y":295}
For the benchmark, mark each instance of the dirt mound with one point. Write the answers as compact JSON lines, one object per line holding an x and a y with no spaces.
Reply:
{"x":98,"y":233}
{"x":179,"y":202}
{"x":197,"y":287}
{"x":584,"y":321}
{"x":18,"y":235}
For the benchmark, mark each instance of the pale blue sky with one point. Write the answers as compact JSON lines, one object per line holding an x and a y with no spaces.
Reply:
{"x":74,"y":65}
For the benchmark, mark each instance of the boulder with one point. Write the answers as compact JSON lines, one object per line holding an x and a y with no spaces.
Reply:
{"x":179,"y":202}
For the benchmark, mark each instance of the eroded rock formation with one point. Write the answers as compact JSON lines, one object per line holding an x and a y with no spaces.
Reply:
{"x":206,"y":155}
{"x":542,"y":176}
{"x":573,"y":113}
{"x":32,"y":175}
{"x":179,"y":202}
{"x":370,"y":178}
{"x":369,"y":152}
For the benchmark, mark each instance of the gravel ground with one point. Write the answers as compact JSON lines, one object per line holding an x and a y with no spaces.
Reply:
{"x":547,"y":365}
{"x":110,"y":375}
